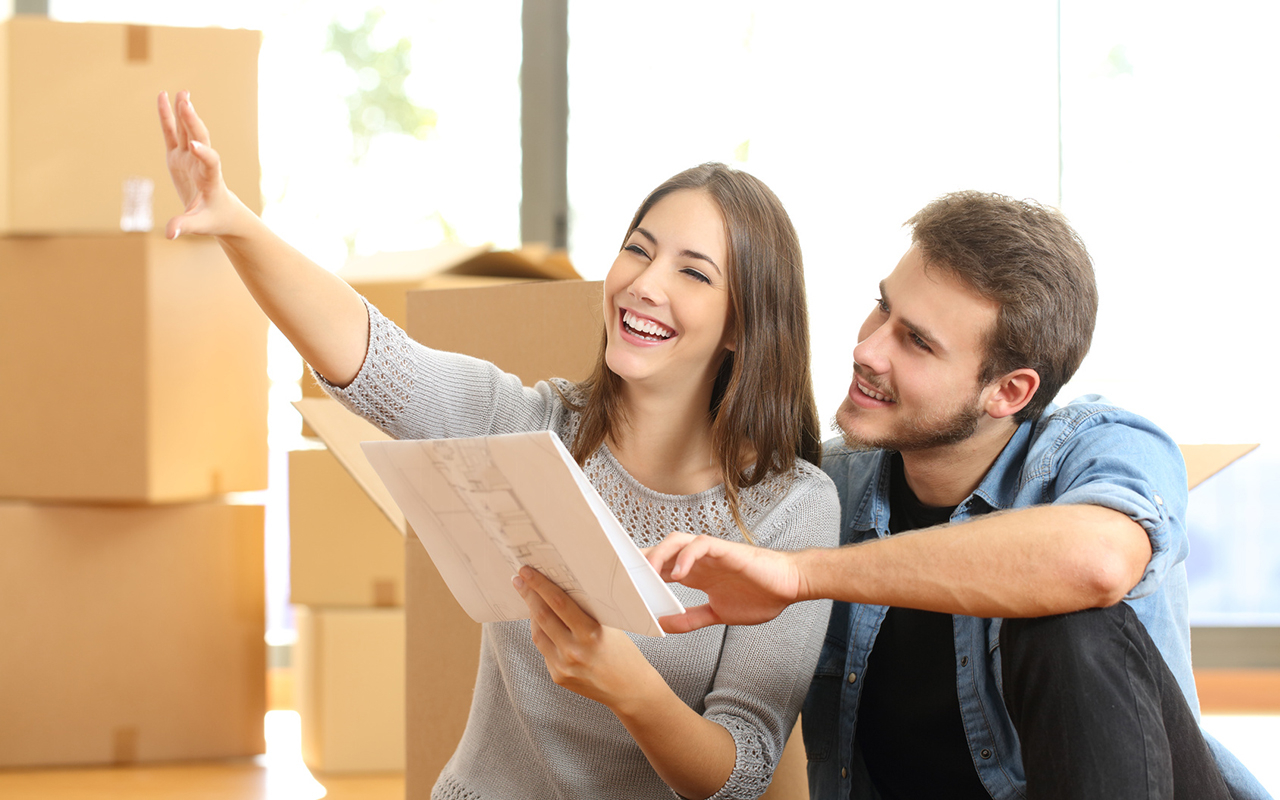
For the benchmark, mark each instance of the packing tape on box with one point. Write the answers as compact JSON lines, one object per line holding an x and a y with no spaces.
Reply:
{"x":124,"y":745}
{"x":384,"y":593}
{"x":137,"y":43}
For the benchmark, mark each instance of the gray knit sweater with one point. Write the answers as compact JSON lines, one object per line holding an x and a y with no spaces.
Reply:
{"x":527,"y":737}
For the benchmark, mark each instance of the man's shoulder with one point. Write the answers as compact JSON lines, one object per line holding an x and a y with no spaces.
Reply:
{"x":1090,"y":437}
{"x":1059,"y":424}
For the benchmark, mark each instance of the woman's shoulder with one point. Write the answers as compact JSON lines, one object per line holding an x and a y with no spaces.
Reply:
{"x":803,"y":479}
{"x":803,"y":509}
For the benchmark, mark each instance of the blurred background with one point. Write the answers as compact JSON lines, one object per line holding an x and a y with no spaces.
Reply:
{"x":397,"y":125}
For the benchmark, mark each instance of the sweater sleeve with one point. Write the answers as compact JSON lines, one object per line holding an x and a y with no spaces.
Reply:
{"x":411,"y":391}
{"x":765,"y":670}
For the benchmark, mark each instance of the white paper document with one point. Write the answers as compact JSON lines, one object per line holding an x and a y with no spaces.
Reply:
{"x":485,"y":506}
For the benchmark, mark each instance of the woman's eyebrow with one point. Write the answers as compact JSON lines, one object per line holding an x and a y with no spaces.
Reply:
{"x":685,"y":253}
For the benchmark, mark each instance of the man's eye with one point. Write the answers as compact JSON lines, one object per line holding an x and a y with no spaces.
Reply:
{"x":918,"y":342}
{"x":698,"y":276}
{"x":882,"y":305}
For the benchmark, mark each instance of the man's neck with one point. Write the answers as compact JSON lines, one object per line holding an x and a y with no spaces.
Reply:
{"x":945,"y":476}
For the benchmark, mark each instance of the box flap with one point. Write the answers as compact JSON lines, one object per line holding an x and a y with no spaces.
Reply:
{"x":1206,"y":460}
{"x":531,"y":261}
{"x":343,"y":432}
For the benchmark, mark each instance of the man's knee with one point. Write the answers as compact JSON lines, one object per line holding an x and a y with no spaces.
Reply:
{"x":1081,"y":645}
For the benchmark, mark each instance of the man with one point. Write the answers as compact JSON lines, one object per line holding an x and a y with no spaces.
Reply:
{"x":1029,"y":636}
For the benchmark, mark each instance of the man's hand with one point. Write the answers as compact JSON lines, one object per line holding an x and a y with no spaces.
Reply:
{"x":744,"y":585}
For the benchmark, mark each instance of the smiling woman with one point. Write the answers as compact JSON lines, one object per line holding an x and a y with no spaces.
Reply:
{"x":699,"y":417}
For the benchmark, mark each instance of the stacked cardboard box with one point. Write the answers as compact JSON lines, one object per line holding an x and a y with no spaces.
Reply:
{"x":131,"y":593}
{"x":348,"y":540}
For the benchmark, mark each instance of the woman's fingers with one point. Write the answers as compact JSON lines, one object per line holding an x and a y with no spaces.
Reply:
{"x":196,"y":130}
{"x":168,"y":125}
{"x":208,"y":158}
{"x":554,"y":609}
{"x":540,"y":612}
{"x":181,"y":134}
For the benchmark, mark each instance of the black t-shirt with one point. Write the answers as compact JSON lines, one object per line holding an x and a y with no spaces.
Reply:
{"x":909,"y":727}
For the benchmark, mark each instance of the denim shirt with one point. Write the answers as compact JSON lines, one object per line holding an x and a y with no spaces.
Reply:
{"x":1086,"y":452}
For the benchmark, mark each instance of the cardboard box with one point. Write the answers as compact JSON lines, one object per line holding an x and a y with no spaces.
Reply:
{"x":385,"y":279}
{"x":78,"y":117}
{"x":343,"y":550}
{"x":1206,"y":460}
{"x":137,"y":370}
{"x":130,"y":634}
{"x":351,"y":683}
{"x":442,"y":656}
{"x":537,"y":331}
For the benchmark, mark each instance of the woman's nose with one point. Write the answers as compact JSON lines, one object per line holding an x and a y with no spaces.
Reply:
{"x":648,"y":287}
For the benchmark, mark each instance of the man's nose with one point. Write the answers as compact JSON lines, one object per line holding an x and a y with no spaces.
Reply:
{"x":871,"y":352}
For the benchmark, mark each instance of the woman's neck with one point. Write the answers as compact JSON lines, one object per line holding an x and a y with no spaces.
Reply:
{"x":665,"y":443}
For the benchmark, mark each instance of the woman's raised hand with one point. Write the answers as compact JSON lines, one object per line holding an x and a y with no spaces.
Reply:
{"x":196,"y":171}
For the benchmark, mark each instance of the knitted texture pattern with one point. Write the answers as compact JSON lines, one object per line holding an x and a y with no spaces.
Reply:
{"x":527,"y":737}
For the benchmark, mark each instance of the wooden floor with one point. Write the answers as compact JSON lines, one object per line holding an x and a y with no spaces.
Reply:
{"x":282,"y":775}
{"x":210,"y":781}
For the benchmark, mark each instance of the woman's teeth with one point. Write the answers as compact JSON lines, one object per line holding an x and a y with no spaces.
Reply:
{"x":646,"y":329}
{"x":875,"y":395}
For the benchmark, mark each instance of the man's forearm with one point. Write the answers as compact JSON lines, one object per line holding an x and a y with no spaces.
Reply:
{"x":1026,"y":563}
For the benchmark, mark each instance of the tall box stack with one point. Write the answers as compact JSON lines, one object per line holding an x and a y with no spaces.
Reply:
{"x":131,"y":592}
{"x":348,"y":540}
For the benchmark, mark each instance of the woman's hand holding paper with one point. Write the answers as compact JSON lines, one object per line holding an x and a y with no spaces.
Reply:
{"x":583,"y":656}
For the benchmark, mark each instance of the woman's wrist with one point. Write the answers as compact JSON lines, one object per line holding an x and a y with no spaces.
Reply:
{"x":641,"y":698}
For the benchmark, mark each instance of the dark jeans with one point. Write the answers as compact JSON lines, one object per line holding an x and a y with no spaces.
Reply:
{"x":1099,"y":714}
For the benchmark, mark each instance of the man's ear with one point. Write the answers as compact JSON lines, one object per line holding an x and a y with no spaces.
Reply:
{"x":1010,"y":393}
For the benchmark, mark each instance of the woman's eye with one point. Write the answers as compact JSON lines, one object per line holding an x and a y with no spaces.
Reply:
{"x":637,"y":249}
{"x":697,"y":276}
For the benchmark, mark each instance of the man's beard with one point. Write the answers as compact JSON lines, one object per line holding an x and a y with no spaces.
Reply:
{"x":945,"y":428}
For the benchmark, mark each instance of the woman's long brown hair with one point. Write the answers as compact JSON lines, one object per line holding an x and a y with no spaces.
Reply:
{"x":762,"y":415}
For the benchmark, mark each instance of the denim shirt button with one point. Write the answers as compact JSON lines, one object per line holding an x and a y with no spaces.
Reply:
{"x":964,"y":661}
{"x":986,"y":753}
{"x":844,"y":773}
{"x":853,"y":676}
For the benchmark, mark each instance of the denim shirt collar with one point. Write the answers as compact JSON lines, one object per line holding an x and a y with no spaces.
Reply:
{"x":1000,"y":486}
{"x":873,"y":508}
{"x":998,"y":489}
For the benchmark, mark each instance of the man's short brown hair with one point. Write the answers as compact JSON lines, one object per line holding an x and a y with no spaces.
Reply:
{"x":1029,"y":260}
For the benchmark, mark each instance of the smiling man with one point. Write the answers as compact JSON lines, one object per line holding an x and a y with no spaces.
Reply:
{"x":1012,"y":603}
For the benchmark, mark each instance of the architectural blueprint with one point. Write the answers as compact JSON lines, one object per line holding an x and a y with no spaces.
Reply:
{"x":485,"y":506}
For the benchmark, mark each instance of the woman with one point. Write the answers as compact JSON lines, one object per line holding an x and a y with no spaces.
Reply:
{"x":699,"y":417}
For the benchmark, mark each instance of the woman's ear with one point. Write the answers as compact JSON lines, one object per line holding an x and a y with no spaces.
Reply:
{"x":1010,"y":393}
{"x":730,"y":340}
